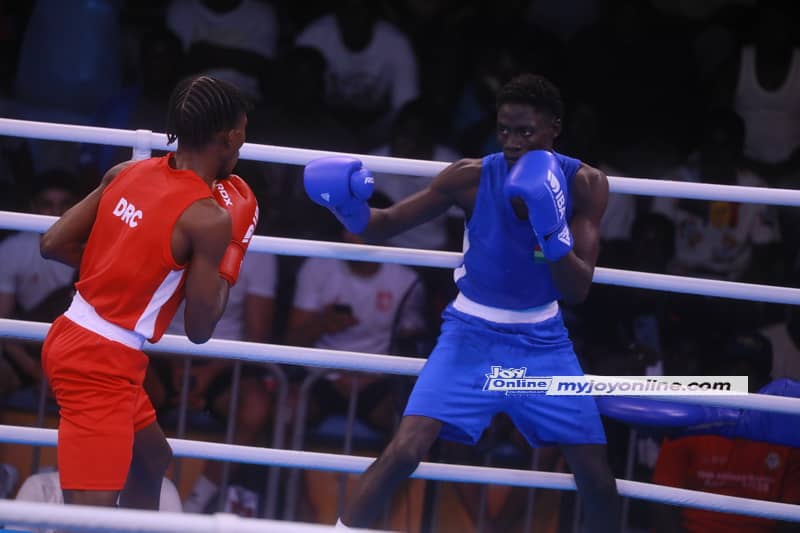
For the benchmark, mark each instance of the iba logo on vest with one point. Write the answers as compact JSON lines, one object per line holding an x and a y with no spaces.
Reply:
{"x":128,"y":213}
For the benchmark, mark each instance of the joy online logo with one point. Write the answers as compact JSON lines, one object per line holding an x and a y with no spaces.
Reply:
{"x":515,"y":380}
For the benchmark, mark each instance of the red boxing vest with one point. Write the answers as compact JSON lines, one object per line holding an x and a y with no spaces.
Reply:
{"x":127,"y":271}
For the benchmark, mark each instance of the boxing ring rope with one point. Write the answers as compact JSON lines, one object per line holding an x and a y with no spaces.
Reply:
{"x":85,"y":518}
{"x":143,"y":141}
{"x":409,"y":256}
{"x":255,"y":352}
{"x":349,"y":464}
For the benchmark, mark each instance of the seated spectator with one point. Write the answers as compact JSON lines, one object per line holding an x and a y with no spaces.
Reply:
{"x":248,"y":316}
{"x":33,"y":288}
{"x":357,"y":306}
{"x":372,"y":68}
{"x":232,"y":40}
{"x":722,"y":465}
{"x":725,"y":240}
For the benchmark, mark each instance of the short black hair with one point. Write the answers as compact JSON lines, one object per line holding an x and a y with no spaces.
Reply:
{"x":533,"y":90}
{"x":201,"y":106}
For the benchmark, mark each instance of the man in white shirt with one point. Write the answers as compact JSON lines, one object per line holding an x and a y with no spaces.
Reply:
{"x":31,"y":287}
{"x":228,"y":39}
{"x":372,"y":69}
{"x":723,"y":240}
{"x":356,"y":306}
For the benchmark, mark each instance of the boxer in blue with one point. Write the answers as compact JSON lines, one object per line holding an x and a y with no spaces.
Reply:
{"x":531,"y":239}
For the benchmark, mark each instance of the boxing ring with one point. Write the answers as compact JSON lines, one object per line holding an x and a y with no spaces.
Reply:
{"x":144,"y":141}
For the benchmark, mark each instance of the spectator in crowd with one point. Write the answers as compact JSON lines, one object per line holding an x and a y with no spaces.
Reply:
{"x":730,"y":466}
{"x":764,"y":79}
{"x":298,"y":117}
{"x":357,"y":306}
{"x":725,"y":240}
{"x":372,"y":69}
{"x":49,"y":87}
{"x":33,"y":288}
{"x":248,"y":317}
{"x":413,"y":137}
{"x":233,"y":40}
{"x":139,"y":105}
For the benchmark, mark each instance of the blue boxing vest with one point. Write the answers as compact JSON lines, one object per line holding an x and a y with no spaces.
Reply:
{"x":503,"y":266}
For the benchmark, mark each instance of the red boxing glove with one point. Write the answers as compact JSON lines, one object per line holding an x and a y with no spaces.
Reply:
{"x":236,"y":197}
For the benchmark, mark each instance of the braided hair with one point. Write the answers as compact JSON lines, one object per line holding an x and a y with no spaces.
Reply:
{"x":200,"y":107}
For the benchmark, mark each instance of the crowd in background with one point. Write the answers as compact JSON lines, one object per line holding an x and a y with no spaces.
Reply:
{"x":692,"y":91}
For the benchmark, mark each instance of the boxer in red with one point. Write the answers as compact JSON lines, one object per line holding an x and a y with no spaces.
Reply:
{"x":151,"y":234}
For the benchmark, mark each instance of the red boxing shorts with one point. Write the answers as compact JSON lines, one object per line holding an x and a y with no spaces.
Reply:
{"x":98,"y":386}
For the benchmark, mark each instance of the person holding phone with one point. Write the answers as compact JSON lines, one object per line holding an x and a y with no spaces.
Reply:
{"x":354,"y":306}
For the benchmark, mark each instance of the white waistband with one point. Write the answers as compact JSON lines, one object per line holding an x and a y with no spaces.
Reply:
{"x":82,"y":313}
{"x":531,"y":315}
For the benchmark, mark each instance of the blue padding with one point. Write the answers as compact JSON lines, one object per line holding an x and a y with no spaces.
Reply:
{"x":751,"y":424}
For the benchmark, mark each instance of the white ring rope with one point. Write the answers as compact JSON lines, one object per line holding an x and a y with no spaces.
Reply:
{"x":410,"y":256}
{"x":440,"y":472}
{"x":255,"y":352}
{"x":145,"y":139}
{"x":86,"y":518}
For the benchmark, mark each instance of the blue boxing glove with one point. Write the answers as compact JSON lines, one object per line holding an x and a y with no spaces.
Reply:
{"x":537,"y":179}
{"x":343,"y":185}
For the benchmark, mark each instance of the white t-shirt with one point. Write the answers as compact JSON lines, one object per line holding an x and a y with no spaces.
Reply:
{"x":252,"y":26}
{"x":383,"y":72}
{"x":46,"y":488}
{"x":431,"y":235}
{"x":772,"y":118}
{"x":26,"y":274}
{"x":722,"y":241}
{"x":375,"y":301}
{"x":258,"y":277}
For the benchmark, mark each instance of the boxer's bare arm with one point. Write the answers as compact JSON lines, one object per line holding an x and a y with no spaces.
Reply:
{"x":200,"y":238}
{"x":573,"y":273}
{"x":66,"y":239}
{"x":455,"y":185}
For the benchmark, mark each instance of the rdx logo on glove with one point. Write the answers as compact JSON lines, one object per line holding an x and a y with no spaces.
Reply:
{"x":224,"y":194}
{"x":251,"y":229}
{"x":558,"y":193}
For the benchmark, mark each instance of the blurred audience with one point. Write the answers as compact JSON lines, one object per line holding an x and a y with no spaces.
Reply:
{"x":71,"y":60}
{"x":371,"y":67}
{"x":248,"y":317}
{"x":726,"y":240}
{"x":356,"y":306}
{"x":765,"y":83}
{"x":33,"y":288}
{"x":230,"y":39}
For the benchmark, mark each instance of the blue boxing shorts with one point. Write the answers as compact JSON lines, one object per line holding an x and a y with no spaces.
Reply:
{"x":451,"y":386}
